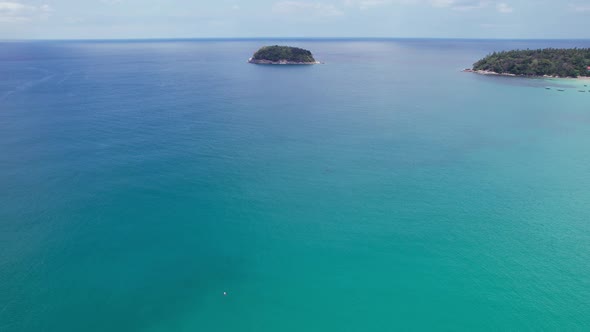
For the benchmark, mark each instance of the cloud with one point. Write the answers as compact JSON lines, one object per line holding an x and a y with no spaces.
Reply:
{"x":11,"y":12}
{"x":366,"y":4}
{"x":504,"y":8}
{"x":461,"y":5}
{"x":580,"y":8}
{"x":467,"y":5}
{"x":306,"y":8}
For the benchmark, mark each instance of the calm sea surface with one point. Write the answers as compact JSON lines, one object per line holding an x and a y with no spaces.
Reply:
{"x":384,"y":190}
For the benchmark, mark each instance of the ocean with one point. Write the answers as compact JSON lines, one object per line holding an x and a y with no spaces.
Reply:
{"x":382,"y":190}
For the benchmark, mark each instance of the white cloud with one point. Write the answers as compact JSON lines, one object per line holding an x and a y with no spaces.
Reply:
{"x":11,"y":12}
{"x":461,"y":5}
{"x":442,"y":3}
{"x":504,"y":8}
{"x":306,"y":8}
{"x":580,"y":8}
{"x":366,"y":4}
{"x":466,"y":5}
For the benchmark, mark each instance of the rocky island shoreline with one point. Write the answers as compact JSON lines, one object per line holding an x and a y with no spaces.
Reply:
{"x":280,"y":62}
{"x":493,"y":73}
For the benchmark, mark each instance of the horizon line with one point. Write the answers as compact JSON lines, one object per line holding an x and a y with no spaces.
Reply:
{"x":278,"y":38}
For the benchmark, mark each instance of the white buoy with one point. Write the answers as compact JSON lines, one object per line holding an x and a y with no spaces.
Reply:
{"x":224,"y":293}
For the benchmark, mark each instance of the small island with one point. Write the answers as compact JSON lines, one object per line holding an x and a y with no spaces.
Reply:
{"x":550,"y":62}
{"x":282,"y":55}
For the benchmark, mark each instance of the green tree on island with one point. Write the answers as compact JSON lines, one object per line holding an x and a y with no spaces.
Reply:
{"x":278,"y":53}
{"x":550,"y":61}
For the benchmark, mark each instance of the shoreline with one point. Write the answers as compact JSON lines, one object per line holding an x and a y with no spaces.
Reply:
{"x":493,"y":73}
{"x":281,"y":62}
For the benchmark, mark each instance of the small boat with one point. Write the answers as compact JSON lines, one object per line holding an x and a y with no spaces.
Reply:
{"x":581,"y":90}
{"x":547,"y":88}
{"x":560,"y":90}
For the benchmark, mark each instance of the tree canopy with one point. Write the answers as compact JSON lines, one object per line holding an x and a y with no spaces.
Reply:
{"x":287,"y":53}
{"x":572,"y":62}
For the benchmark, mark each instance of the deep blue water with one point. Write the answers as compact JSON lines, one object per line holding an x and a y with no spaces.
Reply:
{"x":383,"y":190}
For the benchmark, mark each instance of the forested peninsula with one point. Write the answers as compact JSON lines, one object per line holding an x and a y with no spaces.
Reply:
{"x":574,"y":62}
{"x":283,"y":55}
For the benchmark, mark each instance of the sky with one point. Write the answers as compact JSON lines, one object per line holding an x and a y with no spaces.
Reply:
{"x":130,"y":19}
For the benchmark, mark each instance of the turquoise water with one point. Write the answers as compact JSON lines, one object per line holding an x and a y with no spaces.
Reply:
{"x":384,"y":190}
